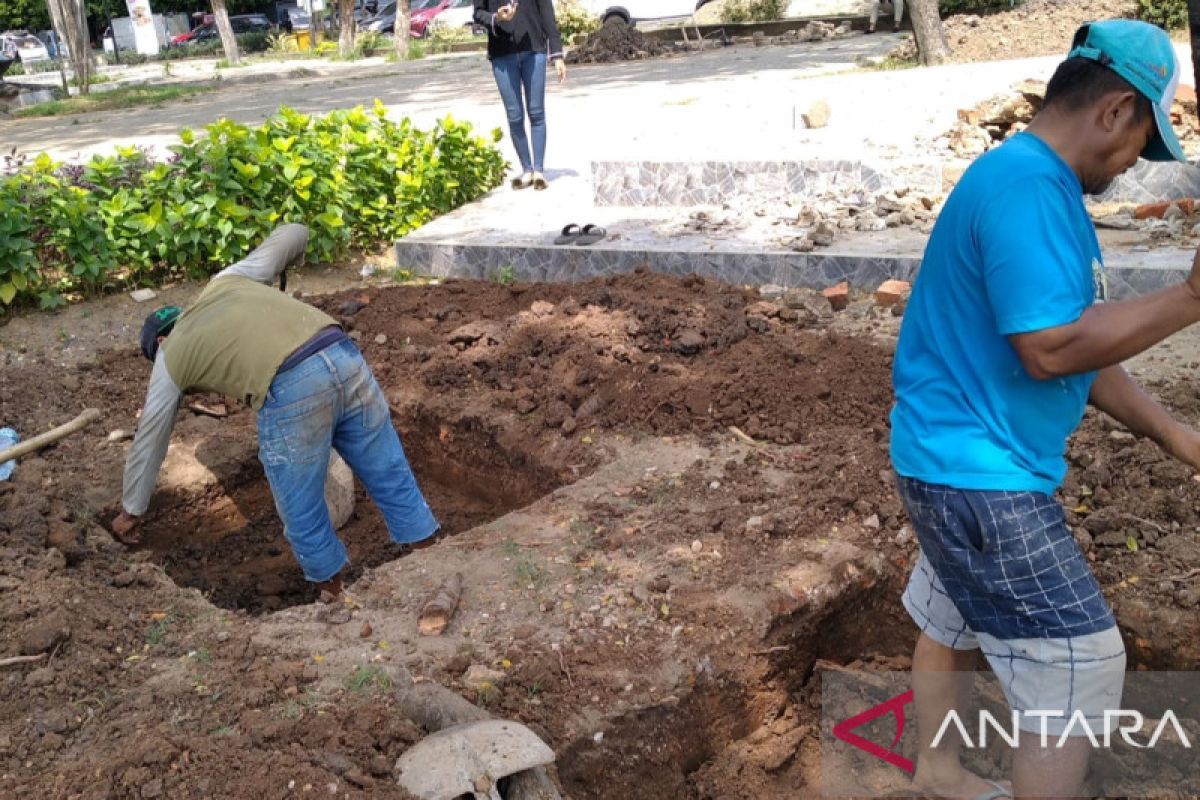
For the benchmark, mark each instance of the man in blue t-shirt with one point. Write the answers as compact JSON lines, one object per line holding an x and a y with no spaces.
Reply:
{"x":1005,"y":340}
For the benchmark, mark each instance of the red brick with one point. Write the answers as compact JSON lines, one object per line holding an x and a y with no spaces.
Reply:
{"x":838,"y":296}
{"x":891,"y":292}
{"x":1187,"y":205}
{"x":1151,"y":210}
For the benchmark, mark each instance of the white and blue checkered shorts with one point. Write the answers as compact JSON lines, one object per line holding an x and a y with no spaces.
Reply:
{"x":1001,"y":572}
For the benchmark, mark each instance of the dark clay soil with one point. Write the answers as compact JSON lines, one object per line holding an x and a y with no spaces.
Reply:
{"x":501,"y":393}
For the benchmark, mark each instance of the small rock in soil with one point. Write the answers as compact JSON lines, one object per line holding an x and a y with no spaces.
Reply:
{"x":119,"y":435}
{"x":125,"y":579}
{"x":688,"y":343}
{"x":46,"y":633}
{"x":381,"y":338}
{"x":659,"y":584}
{"x":43,"y":676}
{"x":365,"y":631}
{"x":481,"y":678}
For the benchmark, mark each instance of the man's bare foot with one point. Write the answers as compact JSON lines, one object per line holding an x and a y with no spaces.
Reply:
{"x":125,"y":528}
{"x":965,"y":784}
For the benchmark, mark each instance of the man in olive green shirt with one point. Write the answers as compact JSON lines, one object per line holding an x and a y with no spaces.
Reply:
{"x":313,"y":392}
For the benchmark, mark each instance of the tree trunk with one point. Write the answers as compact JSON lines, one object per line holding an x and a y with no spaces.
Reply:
{"x":228,"y":40}
{"x":927,"y":27}
{"x":70,"y":23}
{"x":403,"y":13}
{"x":345,"y":27}
{"x":1193,"y":7}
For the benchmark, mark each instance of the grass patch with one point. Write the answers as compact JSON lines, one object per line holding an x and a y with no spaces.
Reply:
{"x":369,"y":679}
{"x":131,"y":97}
{"x":891,"y":64}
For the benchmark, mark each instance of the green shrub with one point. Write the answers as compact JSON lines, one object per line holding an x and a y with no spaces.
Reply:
{"x":1167,"y":14}
{"x":753,"y":11}
{"x":574,"y":21}
{"x":356,"y":178}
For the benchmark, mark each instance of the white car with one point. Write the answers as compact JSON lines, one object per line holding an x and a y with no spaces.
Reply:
{"x":635,"y":11}
{"x":24,"y":46}
{"x":459,"y":14}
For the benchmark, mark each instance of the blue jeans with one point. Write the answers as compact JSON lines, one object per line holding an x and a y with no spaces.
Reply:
{"x":513,"y":73}
{"x":331,"y":400}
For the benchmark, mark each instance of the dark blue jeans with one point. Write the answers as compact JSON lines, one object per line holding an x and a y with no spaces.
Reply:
{"x":331,"y":400}
{"x":524,"y":71}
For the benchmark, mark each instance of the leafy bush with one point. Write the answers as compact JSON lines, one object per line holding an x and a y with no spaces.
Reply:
{"x":1168,"y":14}
{"x":753,"y":11}
{"x":280,"y":43}
{"x":354,"y":177}
{"x":574,"y":21}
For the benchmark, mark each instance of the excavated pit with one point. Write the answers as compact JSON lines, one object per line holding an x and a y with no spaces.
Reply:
{"x":228,"y":541}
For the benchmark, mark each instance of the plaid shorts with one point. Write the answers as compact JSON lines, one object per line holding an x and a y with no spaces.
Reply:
{"x":1001,"y":571}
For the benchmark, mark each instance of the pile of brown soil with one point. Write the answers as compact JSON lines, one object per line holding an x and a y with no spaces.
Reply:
{"x":616,"y":41}
{"x":1034,"y":28}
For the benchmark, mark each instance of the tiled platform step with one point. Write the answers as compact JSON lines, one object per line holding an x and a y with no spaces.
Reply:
{"x":1129,"y":273}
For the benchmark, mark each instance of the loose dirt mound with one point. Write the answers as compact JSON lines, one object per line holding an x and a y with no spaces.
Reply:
{"x":616,"y":41}
{"x":1035,"y":28}
{"x":146,"y":690}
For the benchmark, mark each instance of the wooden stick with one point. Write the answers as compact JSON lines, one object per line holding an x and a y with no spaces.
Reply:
{"x":38,"y":442}
{"x":1187,"y":576}
{"x":739,"y":433}
{"x":6,"y":662}
{"x":438,"y":612}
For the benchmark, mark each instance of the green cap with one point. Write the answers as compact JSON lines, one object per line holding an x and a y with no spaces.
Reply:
{"x":1142,"y":54}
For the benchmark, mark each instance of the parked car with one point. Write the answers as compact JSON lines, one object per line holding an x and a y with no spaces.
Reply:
{"x":420,"y":13}
{"x":635,"y":11}
{"x":24,"y":46}
{"x":243,"y":23}
{"x":421,"y":16}
{"x":364,"y":10}
{"x":251,"y":23}
{"x":456,"y":14}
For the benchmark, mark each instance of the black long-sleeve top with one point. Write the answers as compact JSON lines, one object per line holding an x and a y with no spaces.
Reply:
{"x":534,"y":29}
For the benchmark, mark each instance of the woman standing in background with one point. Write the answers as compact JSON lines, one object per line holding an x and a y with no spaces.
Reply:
{"x":522,"y":36}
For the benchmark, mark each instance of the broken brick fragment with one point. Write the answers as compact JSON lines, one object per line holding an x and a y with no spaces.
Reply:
{"x":892,"y":292}
{"x":1151,"y":210}
{"x":838,"y":296}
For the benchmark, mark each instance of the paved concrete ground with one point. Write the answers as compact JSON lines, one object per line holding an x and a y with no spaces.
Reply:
{"x":728,"y":104}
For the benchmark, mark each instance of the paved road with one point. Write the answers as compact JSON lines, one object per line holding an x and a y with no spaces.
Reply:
{"x":597,"y":102}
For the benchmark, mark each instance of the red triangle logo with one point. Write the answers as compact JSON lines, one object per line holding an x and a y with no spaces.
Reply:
{"x":845,"y":731}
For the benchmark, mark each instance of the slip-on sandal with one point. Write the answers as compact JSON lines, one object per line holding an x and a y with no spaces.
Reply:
{"x":522,"y":181}
{"x":540,"y":183}
{"x":998,"y":792}
{"x":569,"y":234}
{"x":590,"y":235}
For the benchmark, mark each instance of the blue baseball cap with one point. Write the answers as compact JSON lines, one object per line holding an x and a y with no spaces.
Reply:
{"x":1142,"y":54}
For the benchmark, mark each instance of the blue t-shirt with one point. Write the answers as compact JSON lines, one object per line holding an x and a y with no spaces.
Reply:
{"x":1013,"y":251}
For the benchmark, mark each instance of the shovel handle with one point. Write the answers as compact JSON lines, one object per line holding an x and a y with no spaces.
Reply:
{"x":50,"y":437}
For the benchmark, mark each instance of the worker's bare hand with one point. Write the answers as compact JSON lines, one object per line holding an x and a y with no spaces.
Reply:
{"x":560,"y":67}
{"x":1184,"y":444}
{"x":507,"y":12}
{"x":124,"y":527}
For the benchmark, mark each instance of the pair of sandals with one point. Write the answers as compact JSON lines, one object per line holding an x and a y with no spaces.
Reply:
{"x":535,"y":179}
{"x":587,"y":235}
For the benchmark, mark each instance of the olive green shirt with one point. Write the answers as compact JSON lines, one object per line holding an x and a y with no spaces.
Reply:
{"x":233,"y":339}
